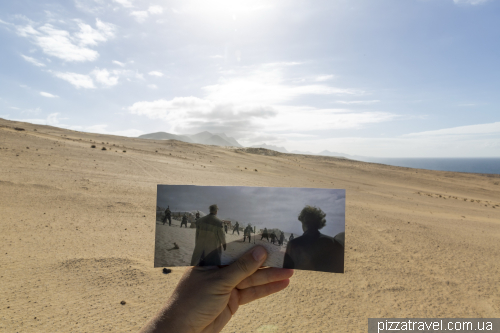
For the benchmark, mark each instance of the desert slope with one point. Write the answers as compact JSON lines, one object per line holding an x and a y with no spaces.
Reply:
{"x":77,"y":235}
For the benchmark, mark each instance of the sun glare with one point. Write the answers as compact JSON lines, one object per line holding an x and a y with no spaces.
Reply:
{"x":228,"y":7}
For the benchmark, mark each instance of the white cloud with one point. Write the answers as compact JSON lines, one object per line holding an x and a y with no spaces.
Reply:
{"x":78,"y":80}
{"x":188,"y":114}
{"x":116,"y":62}
{"x":156,"y":73}
{"x":32,"y":111}
{"x":400,"y":147}
{"x":140,"y":15}
{"x":102,"y":129}
{"x":266,"y":84}
{"x":90,"y":36}
{"x":155,"y":9}
{"x":124,"y":3}
{"x":324,"y":78}
{"x":358,"y":102}
{"x":225,"y":8}
{"x":46,"y":94}
{"x":32,"y":61}
{"x":290,"y":119}
{"x":66,"y":46}
{"x":14,"y":108}
{"x":152,"y":86}
{"x":298,"y":135}
{"x":179,"y":107}
{"x":257,"y":99}
{"x":138,"y":76}
{"x":100,"y":6}
{"x":491,"y":128}
{"x":104,"y":77}
{"x":52,"y":120}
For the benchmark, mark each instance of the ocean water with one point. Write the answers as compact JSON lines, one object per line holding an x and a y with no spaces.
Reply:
{"x":473,"y":165}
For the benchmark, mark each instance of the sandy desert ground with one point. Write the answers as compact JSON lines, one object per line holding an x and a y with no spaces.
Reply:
{"x":77,"y":235}
{"x":167,"y":255}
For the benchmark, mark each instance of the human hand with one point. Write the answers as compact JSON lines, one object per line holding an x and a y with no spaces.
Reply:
{"x":206,"y":298}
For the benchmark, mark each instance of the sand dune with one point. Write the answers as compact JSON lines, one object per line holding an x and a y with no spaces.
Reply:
{"x":77,"y":235}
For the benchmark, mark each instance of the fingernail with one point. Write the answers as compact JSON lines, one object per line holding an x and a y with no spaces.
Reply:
{"x":259,"y":253}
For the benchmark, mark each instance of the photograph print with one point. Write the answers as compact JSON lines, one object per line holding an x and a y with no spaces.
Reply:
{"x":301,"y":228}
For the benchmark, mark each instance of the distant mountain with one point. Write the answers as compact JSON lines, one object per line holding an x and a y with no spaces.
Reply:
{"x":301,"y":152}
{"x":201,"y":137}
{"x":331,"y":153}
{"x":218,"y":139}
{"x":221,"y":139}
{"x":229,"y":139}
{"x":215,"y":140}
{"x":271,"y":147}
{"x":327,"y":153}
{"x":166,"y":136}
{"x":334,"y":154}
{"x":204,"y":138}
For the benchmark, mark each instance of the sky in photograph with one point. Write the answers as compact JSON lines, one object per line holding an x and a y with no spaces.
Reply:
{"x":263,"y":207}
{"x":387,"y":78}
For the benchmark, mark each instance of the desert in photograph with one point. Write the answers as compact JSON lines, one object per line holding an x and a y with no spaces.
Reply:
{"x":215,"y":225}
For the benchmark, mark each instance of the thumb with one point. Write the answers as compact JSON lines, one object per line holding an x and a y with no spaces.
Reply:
{"x":245,"y":266}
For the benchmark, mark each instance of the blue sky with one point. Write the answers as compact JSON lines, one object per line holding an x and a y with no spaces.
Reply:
{"x":416,"y":78}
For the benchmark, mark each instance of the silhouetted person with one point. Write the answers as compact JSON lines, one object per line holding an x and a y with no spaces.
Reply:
{"x":247,"y":233}
{"x":225,"y":227}
{"x":209,"y":240}
{"x":291,"y":238}
{"x":196,"y":218}
{"x":265,"y":235}
{"x":184,"y":220}
{"x":282,"y":238}
{"x":168,"y":216}
{"x":313,"y":250}
{"x":236,"y":228}
{"x":273,"y":237}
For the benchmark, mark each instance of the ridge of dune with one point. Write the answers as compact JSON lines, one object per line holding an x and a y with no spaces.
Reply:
{"x":77,"y":235}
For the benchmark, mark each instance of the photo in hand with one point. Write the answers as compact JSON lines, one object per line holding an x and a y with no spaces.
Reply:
{"x":301,"y":228}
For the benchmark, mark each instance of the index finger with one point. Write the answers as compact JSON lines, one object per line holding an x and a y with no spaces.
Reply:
{"x":264,"y":276}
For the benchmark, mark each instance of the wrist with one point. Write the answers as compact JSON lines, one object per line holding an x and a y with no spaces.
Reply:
{"x":170,"y":319}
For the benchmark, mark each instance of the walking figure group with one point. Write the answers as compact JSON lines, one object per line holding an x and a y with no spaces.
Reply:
{"x":274,"y":239}
{"x":310,"y":251}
